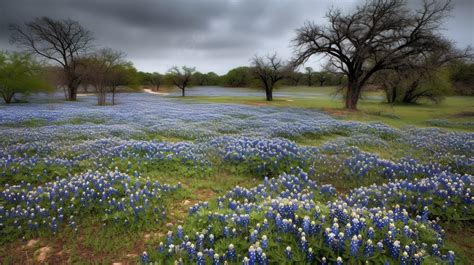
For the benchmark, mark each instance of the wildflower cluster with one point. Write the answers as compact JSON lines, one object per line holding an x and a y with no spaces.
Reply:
{"x":115,"y":196}
{"x":284,"y":221}
{"x":446,"y":195}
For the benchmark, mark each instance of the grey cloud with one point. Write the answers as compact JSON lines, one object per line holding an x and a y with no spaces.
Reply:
{"x":213,"y":35}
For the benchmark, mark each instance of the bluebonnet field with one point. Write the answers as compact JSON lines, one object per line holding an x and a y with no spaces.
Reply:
{"x":365,"y":192}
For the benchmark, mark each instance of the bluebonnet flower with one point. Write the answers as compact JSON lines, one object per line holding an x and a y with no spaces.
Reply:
{"x":264,"y":242}
{"x":231,"y":254}
{"x":288,"y":253}
{"x":201,"y":259}
{"x":145,"y":258}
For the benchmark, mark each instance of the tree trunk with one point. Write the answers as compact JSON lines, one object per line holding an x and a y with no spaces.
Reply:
{"x":391,"y":93}
{"x":72,"y":92}
{"x":101,"y":97}
{"x":409,"y":96}
{"x":113,"y":96}
{"x":183,"y":91}
{"x":352,"y":95}
{"x":8,"y":98}
{"x":269,"y":94}
{"x":157,"y":87}
{"x":66,"y":92}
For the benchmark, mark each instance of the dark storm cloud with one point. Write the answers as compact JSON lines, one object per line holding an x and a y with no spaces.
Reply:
{"x":214,"y":35}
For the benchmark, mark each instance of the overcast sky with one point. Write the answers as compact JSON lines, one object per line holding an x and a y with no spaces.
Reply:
{"x":213,"y":35}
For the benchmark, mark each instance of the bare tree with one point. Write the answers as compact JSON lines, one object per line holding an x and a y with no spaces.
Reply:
{"x":378,"y":35}
{"x":418,"y":78}
{"x":181,"y":78}
{"x":98,"y":70}
{"x":155,"y":79}
{"x":61,"y":41}
{"x":269,"y":70}
{"x":122,"y":74}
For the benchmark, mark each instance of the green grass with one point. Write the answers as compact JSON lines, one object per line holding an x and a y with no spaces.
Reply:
{"x":371,"y":107}
{"x":94,"y":244}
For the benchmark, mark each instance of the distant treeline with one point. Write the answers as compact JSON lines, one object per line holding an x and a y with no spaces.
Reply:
{"x":244,"y":77}
{"x":459,"y":77}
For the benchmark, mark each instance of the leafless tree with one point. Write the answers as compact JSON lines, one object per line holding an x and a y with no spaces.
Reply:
{"x":61,"y":41}
{"x":418,"y":78}
{"x":269,"y":70}
{"x":98,"y":70}
{"x":122,"y":74}
{"x":155,"y":79}
{"x":378,"y":35}
{"x":181,"y":78}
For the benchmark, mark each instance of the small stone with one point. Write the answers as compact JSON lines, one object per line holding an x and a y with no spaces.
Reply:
{"x":32,"y":242}
{"x":42,"y":254}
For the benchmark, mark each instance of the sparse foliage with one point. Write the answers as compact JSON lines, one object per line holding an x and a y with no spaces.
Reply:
{"x":269,"y":70}
{"x":99,"y":70}
{"x":181,"y":78}
{"x":155,"y":79}
{"x":378,"y":35}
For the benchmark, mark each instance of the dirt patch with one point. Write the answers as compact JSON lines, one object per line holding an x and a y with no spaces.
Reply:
{"x":149,"y":91}
{"x":205,"y":194}
{"x":336,"y":112}
{"x":462,"y":238}
{"x":464,"y":114}
{"x":32,"y":243}
{"x":42,"y":254}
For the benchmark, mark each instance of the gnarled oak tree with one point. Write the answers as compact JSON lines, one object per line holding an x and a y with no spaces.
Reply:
{"x":378,"y":35}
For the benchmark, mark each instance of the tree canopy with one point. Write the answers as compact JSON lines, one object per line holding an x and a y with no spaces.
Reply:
{"x":20,"y":73}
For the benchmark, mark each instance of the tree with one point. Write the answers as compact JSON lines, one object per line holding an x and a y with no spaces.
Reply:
{"x":181,"y":78}
{"x":411,"y":86}
{"x":294,"y":78}
{"x":98,"y":70}
{"x":61,"y":41}
{"x":378,"y":35}
{"x":238,"y":77}
{"x":212,"y":79}
{"x":208,"y":79}
{"x":462,"y":76}
{"x":269,"y":70}
{"x":309,"y":75}
{"x":322,"y":77}
{"x":19,"y":73}
{"x":422,"y":77}
{"x":122,"y":74}
{"x":155,"y":79}
{"x":199,"y":79}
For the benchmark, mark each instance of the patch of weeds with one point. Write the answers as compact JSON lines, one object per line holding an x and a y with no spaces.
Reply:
{"x":82,"y":120}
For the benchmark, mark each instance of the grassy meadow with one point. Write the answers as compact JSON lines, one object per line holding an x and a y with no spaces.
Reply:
{"x":111,"y":182}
